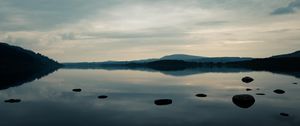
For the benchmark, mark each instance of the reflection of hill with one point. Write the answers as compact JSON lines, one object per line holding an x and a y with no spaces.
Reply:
{"x":187,"y":72}
{"x":203,"y":70}
{"x":16,"y":79}
{"x":178,"y":72}
{"x":287,"y":66}
{"x":18,"y":66}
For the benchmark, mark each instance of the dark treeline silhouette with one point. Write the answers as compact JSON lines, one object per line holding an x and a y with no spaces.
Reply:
{"x":18,"y":65}
{"x":163,"y":65}
{"x":276,"y":65}
{"x":166,"y":65}
{"x":284,"y":64}
{"x":269,"y":64}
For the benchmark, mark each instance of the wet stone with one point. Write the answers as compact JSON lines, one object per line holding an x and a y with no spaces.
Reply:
{"x":243,"y":100}
{"x":201,"y":95}
{"x":102,"y":97}
{"x":13,"y":101}
{"x":279,"y":91}
{"x":77,"y":90}
{"x":284,"y":114}
{"x":247,"y":79}
{"x":260,"y":94}
{"x":248,"y":89}
{"x":163,"y":102}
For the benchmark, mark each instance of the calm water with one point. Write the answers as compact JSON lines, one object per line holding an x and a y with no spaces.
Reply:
{"x":131,"y":94}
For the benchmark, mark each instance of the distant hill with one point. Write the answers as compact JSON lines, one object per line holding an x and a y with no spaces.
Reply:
{"x":18,"y":65}
{"x":223,"y":59}
{"x":287,"y":62}
{"x":181,"y":57}
{"x":290,"y":55}
{"x":192,"y":58}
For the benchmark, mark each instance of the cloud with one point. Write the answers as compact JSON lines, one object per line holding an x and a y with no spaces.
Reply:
{"x":45,"y":15}
{"x":211,"y":23}
{"x":242,"y":41}
{"x":121,"y":35}
{"x":289,"y":9}
{"x":283,"y":10}
{"x":94,"y":30}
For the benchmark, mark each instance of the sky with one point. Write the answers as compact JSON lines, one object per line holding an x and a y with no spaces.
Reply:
{"x":100,"y":30}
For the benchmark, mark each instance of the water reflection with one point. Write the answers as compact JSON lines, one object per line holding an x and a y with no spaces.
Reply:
{"x":193,"y":71}
{"x":132,"y":94}
{"x":9,"y":79}
{"x":16,"y":79}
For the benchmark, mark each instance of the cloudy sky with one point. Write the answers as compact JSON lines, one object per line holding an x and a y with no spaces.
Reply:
{"x":98,"y":30}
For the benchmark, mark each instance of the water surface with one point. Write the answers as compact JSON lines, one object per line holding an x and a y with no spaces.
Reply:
{"x":131,"y":95}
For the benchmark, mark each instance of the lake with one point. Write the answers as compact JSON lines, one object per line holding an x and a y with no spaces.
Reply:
{"x":50,"y":100}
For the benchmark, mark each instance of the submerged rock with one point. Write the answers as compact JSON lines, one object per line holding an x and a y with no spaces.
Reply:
{"x":248,"y":89}
{"x":201,"y":95}
{"x":13,"y":101}
{"x":279,"y":91}
{"x":243,"y":100}
{"x":77,"y":90}
{"x":247,"y":79}
{"x":284,"y":114}
{"x":163,"y":102}
{"x":260,"y":94}
{"x":102,"y":96}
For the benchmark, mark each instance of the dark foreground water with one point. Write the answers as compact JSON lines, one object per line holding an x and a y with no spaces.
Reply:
{"x":50,"y":101}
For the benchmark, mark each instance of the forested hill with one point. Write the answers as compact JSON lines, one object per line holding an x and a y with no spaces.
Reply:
{"x":18,"y":65}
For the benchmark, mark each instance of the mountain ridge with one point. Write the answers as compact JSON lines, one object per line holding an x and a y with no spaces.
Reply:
{"x":181,"y":56}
